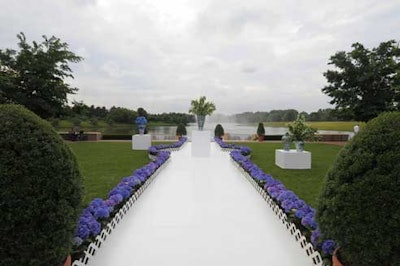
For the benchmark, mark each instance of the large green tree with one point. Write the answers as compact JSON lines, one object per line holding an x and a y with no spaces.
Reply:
{"x":121,"y":115}
{"x":365,"y":82}
{"x":34,"y":75}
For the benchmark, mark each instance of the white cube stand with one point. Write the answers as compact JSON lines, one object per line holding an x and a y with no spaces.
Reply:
{"x":201,"y":143}
{"x":293,"y":159}
{"x":141,"y":142}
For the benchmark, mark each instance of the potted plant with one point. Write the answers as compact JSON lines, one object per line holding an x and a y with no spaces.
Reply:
{"x":359,"y":206}
{"x":219,"y":131}
{"x":181,"y":130}
{"x":299,"y":132}
{"x":201,"y":108}
{"x":141,"y":122}
{"x":40,"y":191}
{"x":260,"y":132}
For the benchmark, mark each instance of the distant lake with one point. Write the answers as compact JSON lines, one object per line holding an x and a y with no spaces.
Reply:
{"x":235,"y":130}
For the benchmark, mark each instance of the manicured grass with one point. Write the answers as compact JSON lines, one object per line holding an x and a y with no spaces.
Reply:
{"x":325,"y":125}
{"x":337,"y":125}
{"x":307,"y":184}
{"x":104,"y":164}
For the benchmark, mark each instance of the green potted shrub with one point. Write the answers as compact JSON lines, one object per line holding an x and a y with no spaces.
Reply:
{"x":201,"y":108}
{"x":40,"y":191}
{"x":219,"y":131}
{"x":260,"y":132}
{"x":181,"y":130}
{"x":359,"y":207}
{"x":299,"y":132}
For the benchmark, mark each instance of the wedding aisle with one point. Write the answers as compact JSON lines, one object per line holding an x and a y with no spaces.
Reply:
{"x":200,"y":211}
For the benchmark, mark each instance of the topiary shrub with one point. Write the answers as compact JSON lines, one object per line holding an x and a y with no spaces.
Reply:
{"x":40,"y":191}
{"x":181,"y":130}
{"x":359,"y":206}
{"x":260,"y":132}
{"x":219,"y":131}
{"x":260,"y":129}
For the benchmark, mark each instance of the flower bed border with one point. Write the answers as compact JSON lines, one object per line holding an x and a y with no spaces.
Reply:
{"x":162,"y":153}
{"x":154,"y":150}
{"x":275,"y":205}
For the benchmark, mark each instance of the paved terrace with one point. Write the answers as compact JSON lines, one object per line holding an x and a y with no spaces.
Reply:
{"x":200,"y":211}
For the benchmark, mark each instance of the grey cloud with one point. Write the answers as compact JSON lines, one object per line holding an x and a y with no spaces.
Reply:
{"x":249,"y":69}
{"x":245,"y":56}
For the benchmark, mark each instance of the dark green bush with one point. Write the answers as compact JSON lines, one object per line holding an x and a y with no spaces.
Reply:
{"x":219,"y":131}
{"x":260,"y":129}
{"x":181,"y":130}
{"x":40,"y":191}
{"x":360,"y":203}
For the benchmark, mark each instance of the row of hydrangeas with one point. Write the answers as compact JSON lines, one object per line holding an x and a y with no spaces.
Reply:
{"x":244,"y":150}
{"x":154,"y":150}
{"x":100,"y":211}
{"x":297,"y":210}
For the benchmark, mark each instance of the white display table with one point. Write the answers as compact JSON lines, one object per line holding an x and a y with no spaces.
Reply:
{"x":201,"y":143}
{"x":141,"y":142}
{"x":293,"y":159}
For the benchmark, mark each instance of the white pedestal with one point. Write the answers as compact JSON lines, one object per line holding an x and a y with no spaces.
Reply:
{"x":293,"y":159}
{"x":141,"y":142}
{"x":201,"y":143}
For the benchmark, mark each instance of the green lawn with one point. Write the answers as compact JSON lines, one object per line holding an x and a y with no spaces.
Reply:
{"x":104,"y":164}
{"x":306,"y":184}
{"x":325,"y":125}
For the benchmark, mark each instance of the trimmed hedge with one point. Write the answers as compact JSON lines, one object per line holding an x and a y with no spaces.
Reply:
{"x":219,"y":131}
{"x":117,"y":137}
{"x":181,"y":130}
{"x":40,"y":190}
{"x":359,"y":206}
{"x":260,"y":129}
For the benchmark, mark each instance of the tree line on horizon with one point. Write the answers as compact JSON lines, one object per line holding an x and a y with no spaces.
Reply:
{"x":79,"y":111}
{"x":362,"y":84}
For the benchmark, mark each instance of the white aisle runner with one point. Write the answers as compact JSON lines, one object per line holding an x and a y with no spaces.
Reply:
{"x":200,"y":211}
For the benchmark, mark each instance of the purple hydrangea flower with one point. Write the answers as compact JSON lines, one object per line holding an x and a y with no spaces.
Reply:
{"x":141,"y":120}
{"x":315,"y":237}
{"x":117,"y":198}
{"x":96,"y":202}
{"x":102,"y":212}
{"x":94,"y":227}
{"x":328,"y":246}
{"x":287,"y":205}
{"x":83,"y":231}
{"x":300,"y":214}
{"x":309,"y":221}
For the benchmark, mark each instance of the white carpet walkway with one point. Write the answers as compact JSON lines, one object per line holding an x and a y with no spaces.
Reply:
{"x":200,"y":211}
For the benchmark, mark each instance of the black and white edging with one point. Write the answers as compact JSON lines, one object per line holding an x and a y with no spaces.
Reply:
{"x":91,"y":250}
{"x":291,"y":227}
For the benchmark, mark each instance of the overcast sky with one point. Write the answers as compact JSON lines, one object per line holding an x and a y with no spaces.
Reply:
{"x":253,"y":55}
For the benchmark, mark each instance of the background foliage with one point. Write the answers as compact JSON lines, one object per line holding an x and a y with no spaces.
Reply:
{"x":365,"y":82}
{"x":34,"y":75}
